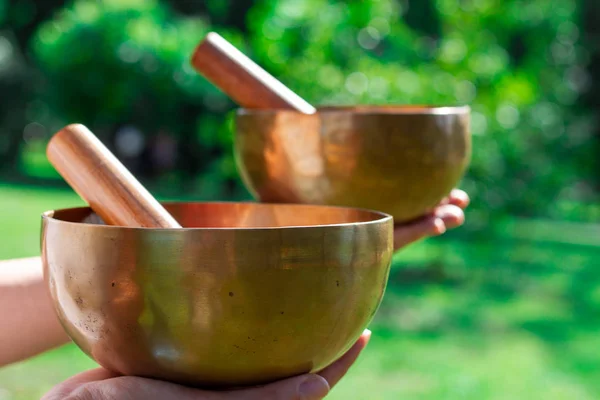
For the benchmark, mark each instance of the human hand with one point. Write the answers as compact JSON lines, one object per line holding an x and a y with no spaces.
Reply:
{"x":100,"y":384}
{"x":448,"y":214}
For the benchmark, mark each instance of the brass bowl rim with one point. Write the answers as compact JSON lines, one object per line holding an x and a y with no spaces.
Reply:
{"x":405,"y":110}
{"x":379,"y":217}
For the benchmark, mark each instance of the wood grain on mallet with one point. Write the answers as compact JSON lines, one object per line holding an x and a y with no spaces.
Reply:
{"x":103,"y":182}
{"x":243,"y":80}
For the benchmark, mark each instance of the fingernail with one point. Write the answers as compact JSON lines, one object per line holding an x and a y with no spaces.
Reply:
{"x":314,"y":388}
{"x":367,"y":337}
{"x":440,"y":227}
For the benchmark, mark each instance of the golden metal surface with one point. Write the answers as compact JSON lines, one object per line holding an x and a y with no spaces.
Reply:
{"x":245,"y":294}
{"x":398,"y":159}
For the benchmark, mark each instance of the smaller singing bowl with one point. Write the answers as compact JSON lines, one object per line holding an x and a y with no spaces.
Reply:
{"x":244,"y":294}
{"x":402,"y":160}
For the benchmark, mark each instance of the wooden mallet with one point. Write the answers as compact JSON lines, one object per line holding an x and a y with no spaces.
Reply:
{"x":242,"y":79}
{"x":103,"y":182}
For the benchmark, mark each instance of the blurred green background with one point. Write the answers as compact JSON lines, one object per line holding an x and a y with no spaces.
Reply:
{"x":505,"y":307}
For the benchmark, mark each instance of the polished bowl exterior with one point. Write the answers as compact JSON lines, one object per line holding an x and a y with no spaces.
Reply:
{"x":401,"y":160}
{"x":245,"y":294}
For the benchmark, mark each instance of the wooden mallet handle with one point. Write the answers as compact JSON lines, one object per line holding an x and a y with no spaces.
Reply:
{"x":241,"y":79}
{"x":103,"y":182}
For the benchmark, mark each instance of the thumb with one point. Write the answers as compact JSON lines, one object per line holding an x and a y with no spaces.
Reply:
{"x":303,"y":387}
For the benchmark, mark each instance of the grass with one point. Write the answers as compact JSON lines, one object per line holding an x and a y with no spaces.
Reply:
{"x":20,"y":211}
{"x":508,"y":318}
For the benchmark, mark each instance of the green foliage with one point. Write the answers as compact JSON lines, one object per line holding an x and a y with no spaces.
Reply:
{"x":105,"y":58}
{"x":113,"y":63}
{"x":520,"y":65}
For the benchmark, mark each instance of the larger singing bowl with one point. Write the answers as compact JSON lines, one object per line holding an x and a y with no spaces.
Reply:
{"x":402,"y":160}
{"x":245,"y":294}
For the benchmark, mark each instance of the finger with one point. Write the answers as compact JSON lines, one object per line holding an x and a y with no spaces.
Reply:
{"x":410,"y":233}
{"x":445,"y":217}
{"x":338,"y":369}
{"x":101,"y":384}
{"x":65,"y":388}
{"x":303,"y":387}
{"x":459,"y":198}
{"x":137,"y":388}
{"x":451,"y":215}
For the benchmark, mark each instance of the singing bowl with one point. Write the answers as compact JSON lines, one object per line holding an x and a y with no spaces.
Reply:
{"x":402,"y":160}
{"x":245,"y":294}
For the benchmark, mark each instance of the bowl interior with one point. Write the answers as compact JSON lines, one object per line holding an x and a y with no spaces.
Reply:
{"x":240,"y":215}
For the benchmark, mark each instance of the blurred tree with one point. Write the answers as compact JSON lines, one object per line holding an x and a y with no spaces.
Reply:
{"x":18,"y":22}
{"x":521,"y":65}
{"x":122,"y":67}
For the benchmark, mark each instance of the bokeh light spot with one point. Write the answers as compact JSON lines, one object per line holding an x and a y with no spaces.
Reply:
{"x":129,"y":141}
{"x":382,"y":26}
{"x":129,"y":53}
{"x":443,"y":83}
{"x":465,"y":91}
{"x":562,"y":53}
{"x":507,"y":116}
{"x":378,"y":87}
{"x":357,"y":83}
{"x":150,"y":63}
{"x":545,"y":114}
{"x":567,"y":32}
{"x":272,"y":31}
{"x":33,"y":131}
{"x":453,"y":50}
{"x":489,"y":63}
{"x":49,"y":33}
{"x":578,"y":79}
{"x":408,"y":82}
{"x":275,"y":55}
{"x":86,"y":11}
{"x":292,"y":8}
{"x":330,"y":77}
{"x":447,"y":7}
{"x":6,"y":51}
{"x":368,"y":38}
